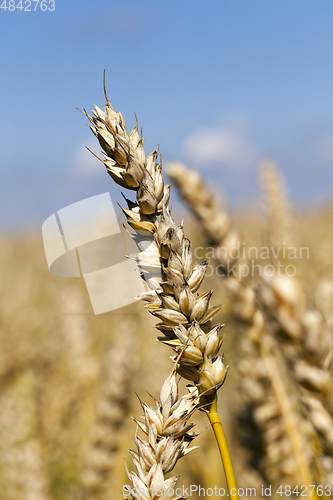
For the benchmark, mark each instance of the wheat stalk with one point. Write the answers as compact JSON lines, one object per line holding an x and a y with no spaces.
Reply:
{"x":185,"y":319}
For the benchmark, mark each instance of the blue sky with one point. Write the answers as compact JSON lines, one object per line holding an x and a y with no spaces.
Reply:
{"x":219,"y":84}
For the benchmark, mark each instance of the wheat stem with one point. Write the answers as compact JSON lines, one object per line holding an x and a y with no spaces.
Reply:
{"x":217,"y":427}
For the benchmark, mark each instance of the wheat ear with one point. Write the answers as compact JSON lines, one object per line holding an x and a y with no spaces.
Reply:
{"x":267,"y":410}
{"x":324,"y":300}
{"x":306,"y":342}
{"x":277,"y":205}
{"x":168,"y":438}
{"x":23,"y":472}
{"x":185,"y":319}
{"x":303,"y":332}
{"x":77,"y":342}
{"x":112,"y":407}
{"x":214,"y":219}
{"x":202,"y":203}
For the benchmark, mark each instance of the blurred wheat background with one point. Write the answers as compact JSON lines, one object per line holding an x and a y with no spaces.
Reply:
{"x":69,"y":379}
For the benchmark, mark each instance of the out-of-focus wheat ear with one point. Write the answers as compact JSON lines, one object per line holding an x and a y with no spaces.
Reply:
{"x":23,"y":474}
{"x":113,"y":405}
{"x":75,"y":335}
{"x":167,"y":438}
{"x":211,"y":213}
{"x":324,"y":300}
{"x":276,"y":431}
{"x":246,"y":310}
{"x":307,"y":345}
{"x":277,"y":206}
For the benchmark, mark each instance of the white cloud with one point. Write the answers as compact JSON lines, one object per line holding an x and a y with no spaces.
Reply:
{"x":229,"y":146}
{"x":85,"y":163}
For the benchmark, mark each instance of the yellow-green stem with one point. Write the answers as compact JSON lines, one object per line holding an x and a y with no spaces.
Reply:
{"x":223,"y":447}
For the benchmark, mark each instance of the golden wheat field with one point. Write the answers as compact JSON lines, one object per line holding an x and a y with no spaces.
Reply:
{"x":70,"y":379}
